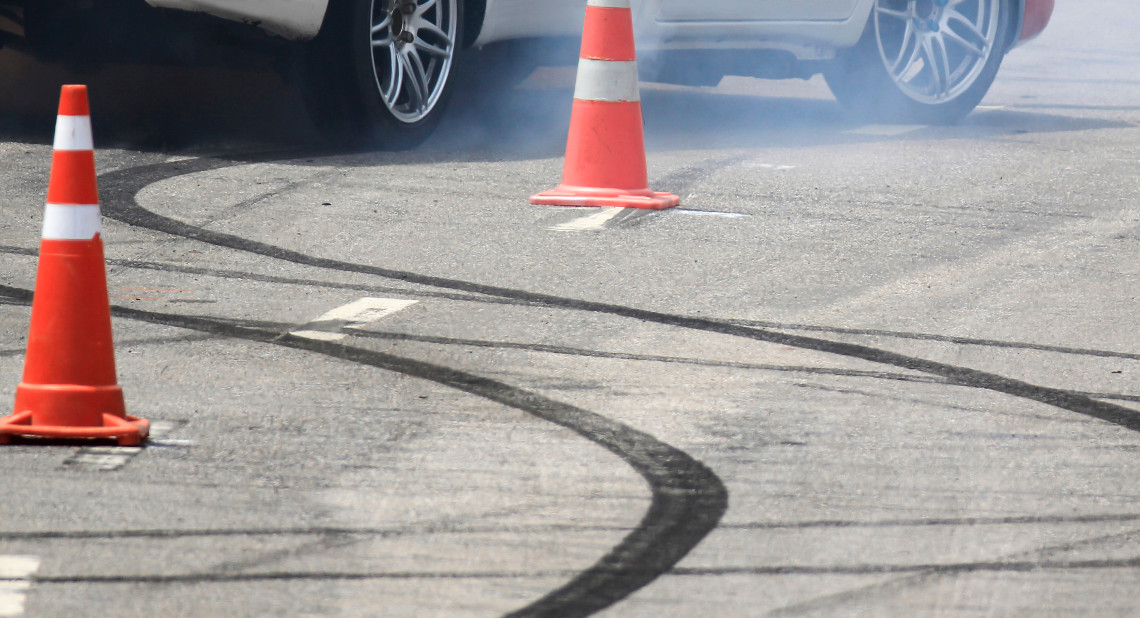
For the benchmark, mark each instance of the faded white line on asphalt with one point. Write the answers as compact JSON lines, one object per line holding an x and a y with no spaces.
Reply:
{"x":589,"y":223}
{"x":169,"y":443}
{"x":102,"y":457}
{"x":886,"y":130}
{"x":356,"y":314}
{"x":15,"y":580}
{"x":106,"y":458}
{"x":768,"y":166}
{"x":710,"y":213}
{"x":990,"y":108}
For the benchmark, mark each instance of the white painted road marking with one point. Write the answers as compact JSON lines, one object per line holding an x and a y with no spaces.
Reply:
{"x":886,"y":130}
{"x":356,"y":314}
{"x":589,"y":223}
{"x":768,"y":166}
{"x":106,"y":458}
{"x":169,"y":443}
{"x":103,"y":457}
{"x":15,"y":580}
{"x":710,"y":213}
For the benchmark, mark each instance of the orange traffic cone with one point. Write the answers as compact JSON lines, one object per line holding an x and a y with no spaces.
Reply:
{"x":69,"y":388}
{"x":605,"y":154}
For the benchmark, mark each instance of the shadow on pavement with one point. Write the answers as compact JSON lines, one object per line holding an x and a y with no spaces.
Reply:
{"x":229,"y":112}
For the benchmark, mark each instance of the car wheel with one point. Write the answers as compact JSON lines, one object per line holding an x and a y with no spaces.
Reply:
{"x":379,"y":74}
{"x":929,"y":61}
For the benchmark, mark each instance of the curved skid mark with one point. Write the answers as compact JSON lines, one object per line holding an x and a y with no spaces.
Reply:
{"x":245,"y":275}
{"x":990,"y":343}
{"x":1016,"y":562}
{"x":120,"y":190}
{"x":688,"y":499}
{"x":121,"y":187}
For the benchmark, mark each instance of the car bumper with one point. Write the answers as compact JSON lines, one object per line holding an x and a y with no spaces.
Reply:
{"x":1034,"y":18}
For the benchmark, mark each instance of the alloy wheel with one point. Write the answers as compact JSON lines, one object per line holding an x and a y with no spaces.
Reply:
{"x":413,"y":48}
{"x":935,"y":50}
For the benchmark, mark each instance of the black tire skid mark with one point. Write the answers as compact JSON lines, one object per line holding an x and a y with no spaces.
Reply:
{"x":121,"y":188}
{"x":397,"y":531}
{"x":164,"y":533}
{"x":893,"y":334}
{"x":993,"y":566}
{"x":681,"y":180}
{"x":650,"y":358}
{"x":250,"y":276}
{"x":923,"y":571}
{"x":688,"y":499}
{"x":126,"y":183}
{"x":564,"y":350}
{"x":167,"y":267}
{"x":1031,"y":561}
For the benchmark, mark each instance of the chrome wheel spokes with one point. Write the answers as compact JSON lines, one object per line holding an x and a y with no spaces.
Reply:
{"x":413,"y":47}
{"x":935,"y":49}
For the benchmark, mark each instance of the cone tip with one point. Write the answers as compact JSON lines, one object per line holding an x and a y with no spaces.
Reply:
{"x":73,"y":101}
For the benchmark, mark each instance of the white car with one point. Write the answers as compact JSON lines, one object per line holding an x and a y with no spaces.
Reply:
{"x":381,"y":71}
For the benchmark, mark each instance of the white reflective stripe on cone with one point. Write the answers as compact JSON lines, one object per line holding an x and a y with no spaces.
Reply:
{"x":73,"y":133}
{"x":609,"y":4}
{"x":67,"y":222}
{"x":606,"y":80}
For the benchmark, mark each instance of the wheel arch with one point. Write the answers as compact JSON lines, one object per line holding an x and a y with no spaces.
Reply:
{"x":474,"y":11}
{"x":1033,"y":16}
{"x":1016,"y":24}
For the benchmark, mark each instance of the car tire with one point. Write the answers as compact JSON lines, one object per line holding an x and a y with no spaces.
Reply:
{"x":926,"y":61}
{"x":381,"y":72}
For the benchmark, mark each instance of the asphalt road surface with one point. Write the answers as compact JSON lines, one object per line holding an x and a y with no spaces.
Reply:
{"x":861,"y":371}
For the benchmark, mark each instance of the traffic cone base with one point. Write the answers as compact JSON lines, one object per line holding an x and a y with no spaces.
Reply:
{"x":126,"y":430}
{"x":603,"y":198}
